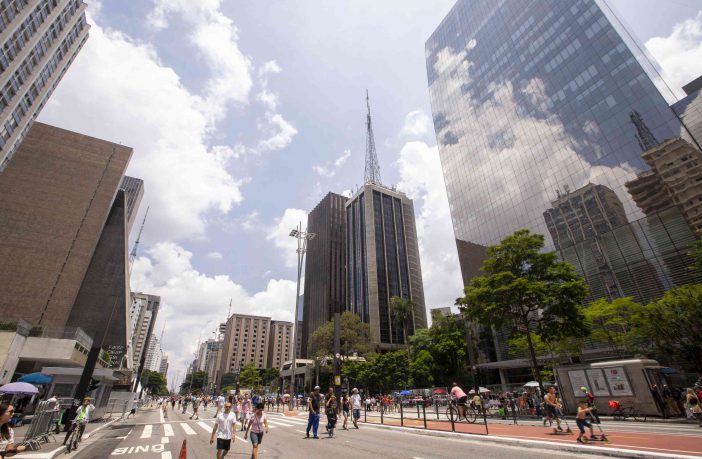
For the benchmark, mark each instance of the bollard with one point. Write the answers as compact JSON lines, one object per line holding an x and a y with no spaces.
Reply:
{"x":453,"y":427}
{"x":417,"y":411}
{"x":381,"y":414}
{"x":402,"y":419}
{"x":424,"y":412}
{"x":365,"y":412}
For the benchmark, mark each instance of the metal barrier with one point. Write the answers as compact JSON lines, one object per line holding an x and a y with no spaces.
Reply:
{"x":43,"y":423}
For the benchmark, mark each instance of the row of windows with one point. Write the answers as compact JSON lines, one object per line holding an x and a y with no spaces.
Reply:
{"x":41,"y":81}
{"x":9,"y":9}
{"x":15,"y":43}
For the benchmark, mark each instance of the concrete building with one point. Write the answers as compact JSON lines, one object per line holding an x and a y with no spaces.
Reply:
{"x":38,"y":41}
{"x":56,"y":198}
{"x":324,"y":267}
{"x":689,"y":112}
{"x":134,"y":187}
{"x":143,"y":313}
{"x":163,"y":366}
{"x":154,"y":354}
{"x":246,"y":340}
{"x":382,"y":261}
{"x":280,"y":341}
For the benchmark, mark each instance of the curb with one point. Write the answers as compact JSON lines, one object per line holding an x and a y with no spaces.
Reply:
{"x":526,"y":443}
{"x":62,"y":448}
{"x":104,"y":426}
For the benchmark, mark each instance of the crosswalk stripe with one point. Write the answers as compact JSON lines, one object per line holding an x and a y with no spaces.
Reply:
{"x":299,"y":421}
{"x":146,"y":433}
{"x":188,"y":430}
{"x":164,"y":440}
{"x":206,"y":426}
{"x":279,"y":423}
{"x":168,"y":430}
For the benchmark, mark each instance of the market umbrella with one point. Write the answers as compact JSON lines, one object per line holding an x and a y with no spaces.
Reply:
{"x":532,"y":384}
{"x":19,"y":388}
{"x":36,"y":378}
{"x":406,"y":392}
{"x":439,"y":391}
{"x":483,"y":390}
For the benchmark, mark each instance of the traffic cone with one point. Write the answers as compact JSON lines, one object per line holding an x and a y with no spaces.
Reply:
{"x":183,"y":452}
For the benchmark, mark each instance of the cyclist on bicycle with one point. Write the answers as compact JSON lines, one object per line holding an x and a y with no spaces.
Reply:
{"x":460,"y":397}
{"x":81,"y":420}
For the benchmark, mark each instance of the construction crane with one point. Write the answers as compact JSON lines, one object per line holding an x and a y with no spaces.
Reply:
{"x":133,"y":253}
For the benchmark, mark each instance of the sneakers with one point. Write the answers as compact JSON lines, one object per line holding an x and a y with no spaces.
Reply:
{"x":581,"y":440}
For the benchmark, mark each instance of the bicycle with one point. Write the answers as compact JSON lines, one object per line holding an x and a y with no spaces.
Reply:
{"x":452,"y":412}
{"x":622,"y":413}
{"x":74,"y":435}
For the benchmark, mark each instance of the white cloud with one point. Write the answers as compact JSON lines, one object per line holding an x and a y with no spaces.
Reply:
{"x":680,"y":53}
{"x":422,"y":180}
{"x":216,"y":38}
{"x":166,"y":125}
{"x":417,"y":124}
{"x":193,"y":304}
{"x":279,"y":234}
{"x":280,"y":133}
{"x":330,"y":170}
{"x":214,"y":256}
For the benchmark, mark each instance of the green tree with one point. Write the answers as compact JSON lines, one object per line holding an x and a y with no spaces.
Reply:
{"x":528,"y":292}
{"x":673,"y":324}
{"x":386,"y":372}
{"x":250,"y":377}
{"x":421,"y":369}
{"x":269,"y":376}
{"x":199,"y":380}
{"x":354,"y":334}
{"x":696,"y":254}
{"x":228,"y":379}
{"x":402,"y":310}
{"x":612,"y":322}
{"x":449,"y":349}
{"x":154,"y":382}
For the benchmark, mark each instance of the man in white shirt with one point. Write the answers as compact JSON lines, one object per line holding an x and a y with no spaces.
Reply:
{"x":224,"y":429}
{"x":356,"y":406}
{"x":220,"y":404}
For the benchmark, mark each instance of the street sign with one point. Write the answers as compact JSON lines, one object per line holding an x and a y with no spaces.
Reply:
{"x":337,"y":380}
{"x":338,"y":356}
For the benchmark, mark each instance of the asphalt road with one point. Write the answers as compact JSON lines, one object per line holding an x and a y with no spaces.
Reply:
{"x":151,"y":437}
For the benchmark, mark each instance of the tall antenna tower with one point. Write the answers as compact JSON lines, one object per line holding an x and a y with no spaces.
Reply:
{"x":372,"y":172}
{"x":133,"y":253}
{"x":643,"y":134}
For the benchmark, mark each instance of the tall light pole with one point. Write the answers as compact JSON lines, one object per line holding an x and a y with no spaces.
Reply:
{"x":302,"y":238}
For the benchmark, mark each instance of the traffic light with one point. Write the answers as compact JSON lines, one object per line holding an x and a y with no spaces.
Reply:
{"x":94,"y":384}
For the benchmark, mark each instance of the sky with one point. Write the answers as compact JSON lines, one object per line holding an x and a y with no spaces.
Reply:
{"x":243,"y":115}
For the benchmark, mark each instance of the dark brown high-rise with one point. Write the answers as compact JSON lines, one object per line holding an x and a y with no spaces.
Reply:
{"x":324,"y":267}
{"x":55,"y":199}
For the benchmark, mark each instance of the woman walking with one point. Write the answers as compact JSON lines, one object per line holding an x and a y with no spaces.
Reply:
{"x":256,"y":426}
{"x":7,"y":435}
{"x":245,"y":410}
{"x":330,"y":405}
{"x":345,"y":408}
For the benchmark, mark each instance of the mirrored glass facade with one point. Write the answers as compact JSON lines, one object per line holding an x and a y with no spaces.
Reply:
{"x":549,"y":116}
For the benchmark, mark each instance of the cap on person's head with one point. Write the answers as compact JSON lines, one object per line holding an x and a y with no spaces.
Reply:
{"x":584,"y":389}
{"x":454,"y":385}
{"x":316,"y":387}
{"x":354,"y":390}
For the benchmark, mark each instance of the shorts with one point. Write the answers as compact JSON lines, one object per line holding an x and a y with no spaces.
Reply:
{"x":256,"y":438}
{"x":356,"y":413}
{"x":463,"y":399}
{"x":223,"y":444}
{"x":549,"y":411}
{"x":346,"y":413}
{"x":582,"y":423}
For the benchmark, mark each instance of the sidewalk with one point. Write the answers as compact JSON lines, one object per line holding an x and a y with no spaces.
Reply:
{"x":681,"y":445}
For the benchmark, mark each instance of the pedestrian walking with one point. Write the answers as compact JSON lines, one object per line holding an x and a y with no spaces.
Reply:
{"x":196,"y":405}
{"x":132,"y":412}
{"x":245,"y":411}
{"x":220,"y":405}
{"x":164,"y":407}
{"x":345,"y":408}
{"x":551,"y":408}
{"x":256,"y":426}
{"x":355,"y":406}
{"x":313,"y":404}
{"x":330,"y":410}
{"x":224,"y":428}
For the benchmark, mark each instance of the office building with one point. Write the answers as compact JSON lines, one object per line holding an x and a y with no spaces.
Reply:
{"x":530,"y":97}
{"x":382,"y":261}
{"x":163,"y":366}
{"x":245,"y":340}
{"x":154,"y":354}
{"x":57,"y":198}
{"x":39,"y":40}
{"x":134,"y":187}
{"x":143,"y":313}
{"x":280,"y":341}
{"x":689,"y":111}
{"x":324,"y":266}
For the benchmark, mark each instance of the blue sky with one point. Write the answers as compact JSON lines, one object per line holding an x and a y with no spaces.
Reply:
{"x":242,"y":115}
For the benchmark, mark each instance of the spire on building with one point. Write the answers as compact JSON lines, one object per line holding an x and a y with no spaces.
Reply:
{"x":643,"y":133}
{"x":372,"y":172}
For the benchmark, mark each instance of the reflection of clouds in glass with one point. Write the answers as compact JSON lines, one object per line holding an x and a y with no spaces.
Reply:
{"x":527,"y":157}
{"x":471,"y":44}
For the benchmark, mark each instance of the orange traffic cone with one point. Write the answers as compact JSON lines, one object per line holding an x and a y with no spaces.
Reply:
{"x":183,"y":451}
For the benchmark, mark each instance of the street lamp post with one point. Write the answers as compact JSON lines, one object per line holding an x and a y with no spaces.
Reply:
{"x":302,"y":238}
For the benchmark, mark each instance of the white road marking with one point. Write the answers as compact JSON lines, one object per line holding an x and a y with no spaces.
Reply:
{"x":147,"y":431}
{"x":160,"y":414}
{"x":166,"y":455}
{"x":168,"y":430}
{"x":280,"y":423}
{"x":206,"y":426}
{"x":164,"y":439}
{"x":188,"y":430}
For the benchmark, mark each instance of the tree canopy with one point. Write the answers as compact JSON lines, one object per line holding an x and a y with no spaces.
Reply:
{"x":355,"y":337}
{"x":199,"y":380}
{"x":402,"y":310}
{"x":528,"y":292}
{"x":154,"y":382}
{"x":250,"y":376}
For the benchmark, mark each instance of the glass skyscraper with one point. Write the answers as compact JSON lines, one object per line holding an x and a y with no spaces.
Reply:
{"x":544,"y":112}
{"x":38,"y":41}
